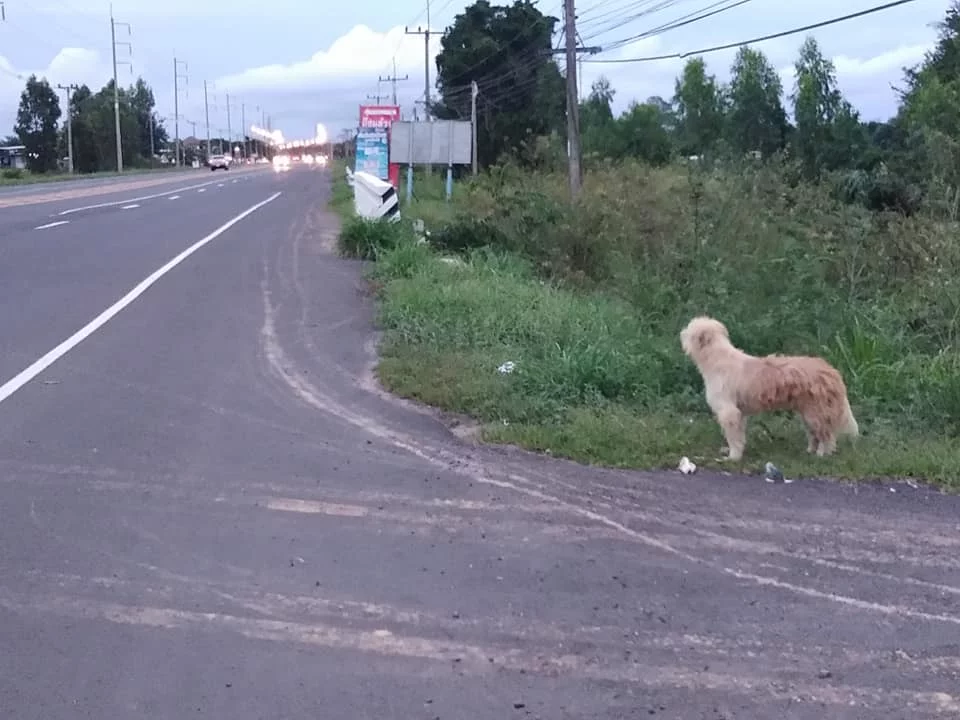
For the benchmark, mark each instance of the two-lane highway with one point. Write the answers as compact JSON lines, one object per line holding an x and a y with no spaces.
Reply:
{"x":61,"y":267}
{"x":209,"y":509}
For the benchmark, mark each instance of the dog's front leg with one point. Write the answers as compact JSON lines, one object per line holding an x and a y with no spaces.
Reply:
{"x":734,"y":425}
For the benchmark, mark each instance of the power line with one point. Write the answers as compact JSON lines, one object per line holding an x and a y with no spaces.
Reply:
{"x":688,"y":19}
{"x":773,"y":36}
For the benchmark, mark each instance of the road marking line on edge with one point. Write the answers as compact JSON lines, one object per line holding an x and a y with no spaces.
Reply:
{"x":133,"y":200}
{"x":130,"y":207}
{"x":29,"y":373}
{"x":52,"y":224}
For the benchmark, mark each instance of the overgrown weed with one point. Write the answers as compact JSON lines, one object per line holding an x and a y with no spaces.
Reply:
{"x":588,"y":298}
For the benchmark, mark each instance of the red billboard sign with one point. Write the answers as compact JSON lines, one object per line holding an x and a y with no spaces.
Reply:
{"x":378,"y":115}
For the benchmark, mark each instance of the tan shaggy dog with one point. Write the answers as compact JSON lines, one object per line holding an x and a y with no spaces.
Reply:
{"x":739,"y":385}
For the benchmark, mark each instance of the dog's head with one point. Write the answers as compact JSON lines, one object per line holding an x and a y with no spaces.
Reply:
{"x":701,"y":334}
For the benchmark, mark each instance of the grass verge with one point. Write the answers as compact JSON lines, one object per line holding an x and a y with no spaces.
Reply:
{"x":15,"y":176}
{"x":587,"y":301}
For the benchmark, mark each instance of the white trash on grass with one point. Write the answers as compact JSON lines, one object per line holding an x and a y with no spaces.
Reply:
{"x":686,"y":466}
{"x":507,"y":367}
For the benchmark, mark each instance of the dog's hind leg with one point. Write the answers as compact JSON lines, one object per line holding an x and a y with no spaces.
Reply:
{"x":821,"y":438}
{"x":734,"y":426}
{"x":827,"y":446}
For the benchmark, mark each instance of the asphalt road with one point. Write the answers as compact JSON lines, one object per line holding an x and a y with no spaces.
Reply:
{"x":208,"y":509}
{"x":18,"y":196}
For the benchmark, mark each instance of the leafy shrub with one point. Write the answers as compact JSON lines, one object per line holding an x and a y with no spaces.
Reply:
{"x":366,"y":239}
{"x":12,"y":173}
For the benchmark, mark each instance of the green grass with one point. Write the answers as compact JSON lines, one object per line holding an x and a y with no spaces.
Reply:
{"x":588,"y":301}
{"x":11,"y":176}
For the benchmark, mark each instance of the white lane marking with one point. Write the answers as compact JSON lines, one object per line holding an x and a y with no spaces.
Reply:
{"x":173,"y":197}
{"x":219,"y":184}
{"x":29,"y":373}
{"x":132,"y":200}
{"x":52,"y":224}
{"x":202,"y":190}
{"x":233,"y":181}
{"x":130,"y":207}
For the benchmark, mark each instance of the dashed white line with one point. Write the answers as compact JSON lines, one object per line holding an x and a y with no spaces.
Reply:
{"x":173,"y":197}
{"x":133,"y":200}
{"x":29,"y":373}
{"x":130,"y":207}
{"x":50,"y":225}
{"x":202,"y":190}
{"x":219,"y":184}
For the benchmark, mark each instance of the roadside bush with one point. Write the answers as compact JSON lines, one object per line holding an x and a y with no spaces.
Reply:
{"x":588,"y":300}
{"x":12,"y":173}
{"x":366,"y":239}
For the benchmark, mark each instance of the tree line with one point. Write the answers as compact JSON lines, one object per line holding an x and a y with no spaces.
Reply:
{"x":901,"y":163}
{"x":41,"y":127}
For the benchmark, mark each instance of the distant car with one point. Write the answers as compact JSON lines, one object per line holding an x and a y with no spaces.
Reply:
{"x":219,"y":161}
{"x":281,"y":163}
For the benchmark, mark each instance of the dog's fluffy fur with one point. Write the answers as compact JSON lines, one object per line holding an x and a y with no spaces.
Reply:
{"x":739,"y":385}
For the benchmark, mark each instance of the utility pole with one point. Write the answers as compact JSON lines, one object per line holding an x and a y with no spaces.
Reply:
{"x":573,"y":102}
{"x":392,"y":80}
{"x":153,"y":150}
{"x":426,"y":57}
{"x":229,"y":132}
{"x":243,"y":126}
{"x":426,"y":70}
{"x":206,"y":111}
{"x":116,"y":86}
{"x":176,"y":106}
{"x":474,"y":91}
{"x":376,"y":98}
{"x":68,"y":88}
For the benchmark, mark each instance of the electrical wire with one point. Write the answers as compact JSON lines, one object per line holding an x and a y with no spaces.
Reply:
{"x":598,"y":26}
{"x":689,"y":19}
{"x":763,"y":38}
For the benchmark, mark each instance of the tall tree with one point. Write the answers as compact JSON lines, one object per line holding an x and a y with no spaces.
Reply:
{"x":507,"y":51}
{"x":597,"y":121}
{"x":827,"y":125}
{"x":643,"y":133}
{"x":36,"y":125}
{"x":699,"y":108}
{"x":756,"y":119}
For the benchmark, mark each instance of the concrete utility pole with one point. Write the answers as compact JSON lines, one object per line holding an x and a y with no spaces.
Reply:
{"x":474,"y":91}
{"x":229,"y":133}
{"x":176,"y":107}
{"x":392,"y":80}
{"x":426,"y":56}
{"x":573,"y":102}
{"x":206,"y":111}
{"x":243,"y":125}
{"x":68,"y":88}
{"x":426,"y":71}
{"x":116,"y":85}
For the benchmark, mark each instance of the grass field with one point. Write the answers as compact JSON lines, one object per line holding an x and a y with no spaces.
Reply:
{"x":588,"y":300}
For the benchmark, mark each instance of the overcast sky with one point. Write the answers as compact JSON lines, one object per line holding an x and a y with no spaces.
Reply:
{"x":315,"y":62}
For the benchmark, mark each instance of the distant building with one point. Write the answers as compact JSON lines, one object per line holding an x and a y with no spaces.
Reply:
{"x":13,"y":156}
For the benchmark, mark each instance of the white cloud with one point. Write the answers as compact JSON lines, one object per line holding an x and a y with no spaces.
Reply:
{"x":71,"y":65}
{"x":360,"y":54}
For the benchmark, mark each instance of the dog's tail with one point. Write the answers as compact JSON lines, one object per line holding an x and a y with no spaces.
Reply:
{"x":848,"y":423}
